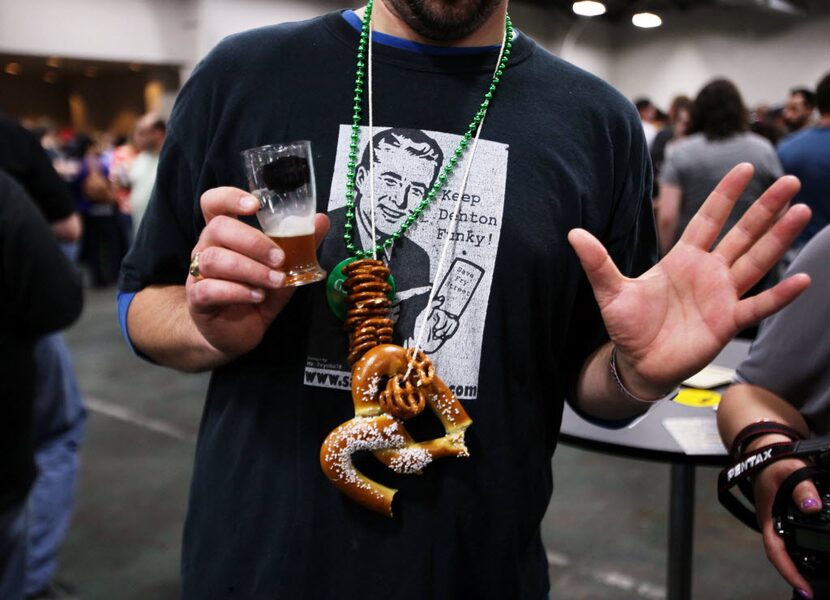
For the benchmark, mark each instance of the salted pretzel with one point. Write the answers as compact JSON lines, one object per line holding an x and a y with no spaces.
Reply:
{"x":367,"y":319}
{"x":384,"y":434}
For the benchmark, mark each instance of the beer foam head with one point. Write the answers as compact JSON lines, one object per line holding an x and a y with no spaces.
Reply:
{"x":291,"y":226}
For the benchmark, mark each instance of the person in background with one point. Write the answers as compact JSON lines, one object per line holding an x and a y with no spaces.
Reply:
{"x":59,"y":413}
{"x":718,"y":140}
{"x":121,"y":161}
{"x":678,"y":123}
{"x":22,"y":157}
{"x":786,"y":379}
{"x":40,"y":292}
{"x":648,"y":115}
{"x":102,"y":246}
{"x":806,"y":155}
{"x":798,"y":110}
{"x":149,"y":135}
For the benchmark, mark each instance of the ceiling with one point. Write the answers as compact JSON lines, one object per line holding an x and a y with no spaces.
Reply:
{"x":623,"y":9}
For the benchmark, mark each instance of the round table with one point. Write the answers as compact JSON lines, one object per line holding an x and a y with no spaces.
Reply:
{"x":648,"y":438}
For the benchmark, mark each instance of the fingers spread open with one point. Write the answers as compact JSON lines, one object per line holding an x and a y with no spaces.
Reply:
{"x":751,"y":310}
{"x":227,"y":201}
{"x":235,"y":235}
{"x":606,"y":280}
{"x":765,"y":253}
{"x":206,"y":295}
{"x":703,"y":229}
{"x":220,"y":263}
{"x":758,"y":219}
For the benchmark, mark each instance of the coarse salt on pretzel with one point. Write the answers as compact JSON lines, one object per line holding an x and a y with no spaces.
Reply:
{"x":384,"y":434}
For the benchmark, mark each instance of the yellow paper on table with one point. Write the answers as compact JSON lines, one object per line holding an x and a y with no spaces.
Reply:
{"x":697,"y":398}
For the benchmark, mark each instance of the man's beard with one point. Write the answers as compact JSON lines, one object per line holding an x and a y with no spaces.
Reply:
{"x":443,"y":20}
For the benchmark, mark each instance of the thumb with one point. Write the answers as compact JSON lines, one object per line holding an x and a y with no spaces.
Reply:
{"x":606,"y":280}
{"x":806,"y":497}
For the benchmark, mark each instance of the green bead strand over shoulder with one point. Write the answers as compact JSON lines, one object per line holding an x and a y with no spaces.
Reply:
{"x":441,"y":180}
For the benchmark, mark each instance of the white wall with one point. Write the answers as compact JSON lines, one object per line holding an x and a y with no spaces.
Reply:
{"x":764,"y":54}
{"x":585,"y":43}
{"x":152,"y":31}
{"x":219,"y":18}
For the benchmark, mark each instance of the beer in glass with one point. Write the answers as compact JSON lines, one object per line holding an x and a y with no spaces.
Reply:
{"x":281,"y":177}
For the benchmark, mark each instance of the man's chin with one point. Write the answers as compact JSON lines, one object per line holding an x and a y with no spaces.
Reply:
{"x":443,"y":21}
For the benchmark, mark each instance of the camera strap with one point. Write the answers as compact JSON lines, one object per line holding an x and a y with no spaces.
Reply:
{"x":741,"y":470}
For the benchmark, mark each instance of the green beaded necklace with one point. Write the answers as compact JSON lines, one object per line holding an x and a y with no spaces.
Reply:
{"x":351,"y":166}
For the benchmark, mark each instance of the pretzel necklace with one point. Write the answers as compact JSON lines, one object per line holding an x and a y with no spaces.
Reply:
{"x":390,"y":384}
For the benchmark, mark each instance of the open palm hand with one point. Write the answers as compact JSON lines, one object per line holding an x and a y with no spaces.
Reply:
{"x":674,"y":319}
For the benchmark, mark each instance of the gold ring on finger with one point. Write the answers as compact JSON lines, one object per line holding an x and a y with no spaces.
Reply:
{"x":194,"y":266}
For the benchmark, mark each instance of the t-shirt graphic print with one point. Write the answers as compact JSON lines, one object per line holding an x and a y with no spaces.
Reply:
{"x":406,"y":164}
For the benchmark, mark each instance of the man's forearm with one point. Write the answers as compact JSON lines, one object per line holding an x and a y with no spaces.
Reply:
{"x":160,"y":327}
{"x":598,"y":395}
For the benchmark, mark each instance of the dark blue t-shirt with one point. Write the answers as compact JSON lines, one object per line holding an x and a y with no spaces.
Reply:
{"x":806,"y":155}
{"x":559,"y":149}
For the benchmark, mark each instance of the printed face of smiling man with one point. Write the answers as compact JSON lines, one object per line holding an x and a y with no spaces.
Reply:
{"x":406,"y":165}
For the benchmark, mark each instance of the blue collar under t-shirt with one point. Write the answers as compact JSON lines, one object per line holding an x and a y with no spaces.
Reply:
{"x":390,"y":40}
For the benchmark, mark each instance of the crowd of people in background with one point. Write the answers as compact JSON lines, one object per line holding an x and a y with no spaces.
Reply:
{"x":111,"y":178}
{"x":66,"y":198}
{"x":698,"y":140}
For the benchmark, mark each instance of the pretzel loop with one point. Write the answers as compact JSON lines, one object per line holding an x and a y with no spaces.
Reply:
{"x":384,"y":395}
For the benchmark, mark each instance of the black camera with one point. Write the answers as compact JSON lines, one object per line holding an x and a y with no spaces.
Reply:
{"x":806,"y":536}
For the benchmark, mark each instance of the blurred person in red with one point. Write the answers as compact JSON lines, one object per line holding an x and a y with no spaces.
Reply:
{"x":149,"y":136}
{"x":121,"y":160}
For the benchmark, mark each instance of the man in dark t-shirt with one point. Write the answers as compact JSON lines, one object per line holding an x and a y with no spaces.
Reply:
{"x":559,"y":162}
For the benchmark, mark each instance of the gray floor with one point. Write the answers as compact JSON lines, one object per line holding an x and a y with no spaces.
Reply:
{"x":605,"y":530}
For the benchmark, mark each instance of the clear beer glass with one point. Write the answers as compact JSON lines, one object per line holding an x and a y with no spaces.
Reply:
{"x":281,"y":177}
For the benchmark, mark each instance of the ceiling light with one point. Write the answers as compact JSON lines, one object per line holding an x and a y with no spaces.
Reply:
{"x":136,"y":68}
{"x":50,"y":76}
{"x":589,"y":8}
{"x":54,"y":62}
{"x":646,"y":20}
{"x":14,"y":68}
